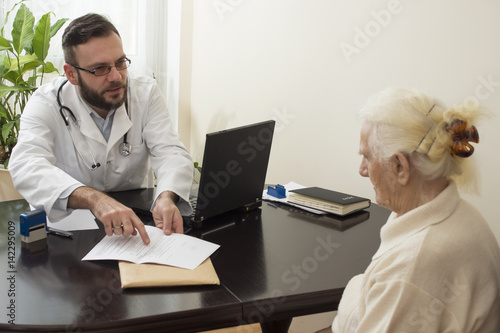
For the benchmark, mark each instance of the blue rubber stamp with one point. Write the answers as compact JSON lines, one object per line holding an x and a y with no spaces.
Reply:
{"x":278,"y":192}
{"x":33,"y":226}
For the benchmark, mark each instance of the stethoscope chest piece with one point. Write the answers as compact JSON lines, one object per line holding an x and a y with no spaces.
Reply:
{"x":125,"y":148}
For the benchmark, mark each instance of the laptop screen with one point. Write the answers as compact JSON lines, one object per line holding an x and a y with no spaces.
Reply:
{"x":234,"y":169}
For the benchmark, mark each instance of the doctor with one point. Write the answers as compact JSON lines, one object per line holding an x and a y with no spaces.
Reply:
{"x":101,"y":129}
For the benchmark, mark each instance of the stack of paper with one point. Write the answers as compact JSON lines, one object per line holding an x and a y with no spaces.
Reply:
{"x":177,"y":259}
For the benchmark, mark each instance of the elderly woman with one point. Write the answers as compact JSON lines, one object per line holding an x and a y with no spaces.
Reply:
{"x":438,"y":265}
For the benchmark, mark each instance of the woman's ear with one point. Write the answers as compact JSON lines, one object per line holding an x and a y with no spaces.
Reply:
{"x":71,"y":75}
{"x":401,"y":168}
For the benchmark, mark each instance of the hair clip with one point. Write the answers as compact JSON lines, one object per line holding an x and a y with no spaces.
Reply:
{"x":461,"y":136}
{"x":423,"y":138}
{"x":432,"y":107}
{"x":425,"y":135}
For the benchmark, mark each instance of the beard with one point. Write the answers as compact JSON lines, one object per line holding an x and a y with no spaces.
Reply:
{"x":96,"y":98}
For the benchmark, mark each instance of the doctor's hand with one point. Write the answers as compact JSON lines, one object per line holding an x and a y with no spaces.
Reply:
{"x":116,"y":218}
{"x":166,"y":215}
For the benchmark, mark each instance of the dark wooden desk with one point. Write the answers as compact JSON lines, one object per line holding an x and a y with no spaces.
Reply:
{"x":273,"y":265}
{"x":282,"y":265}
{"x":56,"y":292}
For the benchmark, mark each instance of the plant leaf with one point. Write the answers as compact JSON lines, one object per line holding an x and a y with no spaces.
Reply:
{"x":26,"y":63}
{"x":32,"y":81}
{"x":23,"y":60}
{"x":22,"y":29}
{"x":7,"y":16}
{"x":2,"y":66}
{"x":5,"y":89}
{"x":31,"y":65}
{"x":56,"y":26}
{"x":12,"y":77}
{"x":41,"y":41}
{"x":5,"y":44}
{"x":48,"y":68}
{"x":6,"y":128}
{"x":3,"y":113}
{"x":29,"y":49}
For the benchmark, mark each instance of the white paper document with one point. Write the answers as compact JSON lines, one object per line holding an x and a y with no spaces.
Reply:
{"x":79,"y":219}
{"x":177,"y":250}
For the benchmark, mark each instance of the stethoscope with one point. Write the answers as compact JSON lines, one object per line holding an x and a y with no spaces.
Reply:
{"x":125,"y":148}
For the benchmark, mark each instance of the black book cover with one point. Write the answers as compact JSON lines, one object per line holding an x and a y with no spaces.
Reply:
{"x":329,"y":195}
{"x":340,"y":223}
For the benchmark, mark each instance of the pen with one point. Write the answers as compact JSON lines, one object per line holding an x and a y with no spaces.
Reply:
{"x":272,"y":205}
{"x":62,"y":233}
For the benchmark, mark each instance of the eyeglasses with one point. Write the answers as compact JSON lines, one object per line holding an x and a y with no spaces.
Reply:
{"x":104,"y":70}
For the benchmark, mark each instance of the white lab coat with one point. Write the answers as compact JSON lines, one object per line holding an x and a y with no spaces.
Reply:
{"x":45,"y":163}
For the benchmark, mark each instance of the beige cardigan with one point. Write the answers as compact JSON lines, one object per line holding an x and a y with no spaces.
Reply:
{"x":437,"y":270}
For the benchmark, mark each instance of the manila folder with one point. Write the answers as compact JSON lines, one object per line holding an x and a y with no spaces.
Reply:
{"x":152,"y":275}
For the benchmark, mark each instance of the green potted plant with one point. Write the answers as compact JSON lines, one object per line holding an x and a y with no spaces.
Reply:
{"x":22,"y":69}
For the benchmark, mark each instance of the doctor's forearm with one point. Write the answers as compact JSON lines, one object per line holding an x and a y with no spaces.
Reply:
{"x":98,"y":202}
{"x":85,"y":198}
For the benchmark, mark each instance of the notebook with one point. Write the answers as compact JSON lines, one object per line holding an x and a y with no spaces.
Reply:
{"x":233,"y":171}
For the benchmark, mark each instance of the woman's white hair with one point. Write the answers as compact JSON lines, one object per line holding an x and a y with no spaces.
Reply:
{"x":413,"y":123}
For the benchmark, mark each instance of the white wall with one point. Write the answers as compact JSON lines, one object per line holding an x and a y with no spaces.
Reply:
{"x":283,"y":59}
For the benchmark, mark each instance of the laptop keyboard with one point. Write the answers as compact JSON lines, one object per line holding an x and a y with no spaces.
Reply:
{"x":147,"y":217}
{"x":188,"y":220}
{"x":192,"y":201}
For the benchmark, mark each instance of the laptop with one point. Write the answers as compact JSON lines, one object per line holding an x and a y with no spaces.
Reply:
{"x":232,"y":177}
{"x":233,"y":171}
